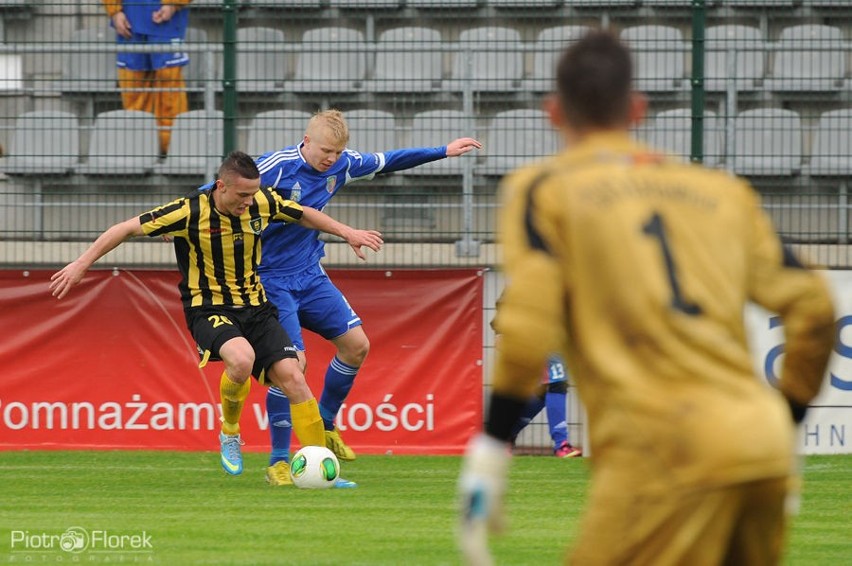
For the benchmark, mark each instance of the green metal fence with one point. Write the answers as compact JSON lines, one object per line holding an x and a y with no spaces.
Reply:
{"x":759,"y":88}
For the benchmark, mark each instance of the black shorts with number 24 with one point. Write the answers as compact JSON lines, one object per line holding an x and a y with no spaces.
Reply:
{"x":213,"y":326}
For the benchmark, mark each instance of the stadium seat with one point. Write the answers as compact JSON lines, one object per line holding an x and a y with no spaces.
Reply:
{"x":276,"y":129}
{"x":284,"y":3}
{"x":11,"y":72}
{"x":92,"y":71}
{"x":659,"y":54}
{"x":408,"y":59}
{"x":674,"y":3}
{"x":259,"y":68}
{"x":123,"y":142}
{"x":44,"y":142}
{"x":213,"y":4}
{"x":767,"y":141}
{"x":809,"y":57}
{"x":196,"y":144}
{"x":671,"y":131}
{"x":330,"y":59}
{"x":195,"y":70}
{"x":433,"y":128}
{"x":760,"y":3}
{"x":361,"y":4}
{"x":599,"y":3}
{"x":440,"y":4}
{"x":497,"y":59}
{"x":524,"y":3}
{"x":832,"y":145}
{"x":371,"y":131}
{"x":549,"y":44}
{"x":517,"y":137}
{"x":748,"y":49}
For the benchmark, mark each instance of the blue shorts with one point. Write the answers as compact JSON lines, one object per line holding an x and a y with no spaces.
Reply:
{"x":150,"y":61}
{"x":556,"y":371}
{"x":309,"y":300}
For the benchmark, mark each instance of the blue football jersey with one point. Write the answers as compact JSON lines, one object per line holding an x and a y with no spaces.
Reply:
{"x":290,"y":249}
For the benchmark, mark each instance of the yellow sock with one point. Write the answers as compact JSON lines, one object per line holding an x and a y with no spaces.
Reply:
{"x":233,"y":397}
{"x":307,"y":423}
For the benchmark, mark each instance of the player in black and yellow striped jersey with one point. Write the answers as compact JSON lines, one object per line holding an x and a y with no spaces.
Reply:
{"x":217,"y":244}
{"x":638,"y":268}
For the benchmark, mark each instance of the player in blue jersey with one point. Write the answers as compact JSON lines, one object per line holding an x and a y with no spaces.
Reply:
{"x":311,"y":173}
{"x":551,"y":396}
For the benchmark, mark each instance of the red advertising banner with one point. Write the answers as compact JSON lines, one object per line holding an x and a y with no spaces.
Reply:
{"x":112,"y":365}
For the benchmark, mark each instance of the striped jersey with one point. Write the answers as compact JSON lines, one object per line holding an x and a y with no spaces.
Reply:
{"x":639,"y":268}
{"x":218,"y":254}
{"x":288,"y":249}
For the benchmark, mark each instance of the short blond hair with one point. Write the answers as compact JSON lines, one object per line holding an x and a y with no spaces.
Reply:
{"x":334,"y":121}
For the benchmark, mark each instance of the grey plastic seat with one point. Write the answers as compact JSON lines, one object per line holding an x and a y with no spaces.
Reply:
{"x":433,"y":128}
{"x":760,"y":3}
{"x":671,"y":131}
{"x":196,"y":144}
{"x":408,"y":59}
{"x":11,"y":72}
{"x":745,"y":44}
{"x":330,"y":59}
{"x":276,"y":129}
{"x":123,"y":142}
{"x":831,"y":154}
{"x":194,"y":72}
{"x":768,"y":141}
{"x":599,"y":3}
{"x":442,"y":4}
{"x":284,"y":3}
{"x":549,"y":45}
{"x":517,"y":137}
{"x":361,"y":4}
{"x":497,"y":59}
{"x":524,"y":3}
{"x":91,"y":71}
{"x":259,"y":68}
{"x":44,"y":142}
{"x":371,"y":131}
{"x":809,"y":57}
{"x":659,"y":55}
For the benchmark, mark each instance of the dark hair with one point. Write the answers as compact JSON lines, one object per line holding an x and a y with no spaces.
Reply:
{"x":593,"y":81}
{"x":239,"y":164}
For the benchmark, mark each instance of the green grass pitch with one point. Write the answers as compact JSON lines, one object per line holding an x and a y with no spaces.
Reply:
{"x":403,"y":511}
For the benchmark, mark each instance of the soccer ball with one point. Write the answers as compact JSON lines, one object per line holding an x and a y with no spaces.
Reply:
{"x":314,"y":467}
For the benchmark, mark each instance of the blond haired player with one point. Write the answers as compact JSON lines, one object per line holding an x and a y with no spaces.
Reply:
{"x":638,"y":268}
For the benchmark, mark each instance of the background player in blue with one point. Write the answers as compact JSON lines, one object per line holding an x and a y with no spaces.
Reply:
{"x":552,"y":396}
{"x":311,"y":173}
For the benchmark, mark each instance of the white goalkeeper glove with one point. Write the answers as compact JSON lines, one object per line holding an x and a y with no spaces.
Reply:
{"x":482,"y":485}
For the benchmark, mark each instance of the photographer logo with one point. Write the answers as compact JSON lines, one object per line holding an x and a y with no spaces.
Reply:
{"x":77,"y":540}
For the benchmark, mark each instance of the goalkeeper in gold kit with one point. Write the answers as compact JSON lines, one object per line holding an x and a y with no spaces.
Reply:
{"x":638,"y":267}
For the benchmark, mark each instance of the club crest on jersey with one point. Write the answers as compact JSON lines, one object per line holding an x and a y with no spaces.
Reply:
{"x":296,"y":192}
{"x":330,"y":183}
{"x":256,"y":224}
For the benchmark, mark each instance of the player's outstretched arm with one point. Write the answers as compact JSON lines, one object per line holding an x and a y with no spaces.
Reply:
{"x":462,"y":146}
{"x":316,"y":220}
{"x":70,"y":275}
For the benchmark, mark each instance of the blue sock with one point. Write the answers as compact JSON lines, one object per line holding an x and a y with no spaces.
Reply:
{"x":339,"y":378}
{"x":280,"y":425}
{"x":556,"y":417}
{"x":534,"y":407}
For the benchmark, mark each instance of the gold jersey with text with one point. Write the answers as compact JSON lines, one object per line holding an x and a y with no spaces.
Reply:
{"x":638,"y":267}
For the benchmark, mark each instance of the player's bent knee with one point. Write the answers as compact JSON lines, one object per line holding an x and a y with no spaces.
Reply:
{"x":288,"y":377}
